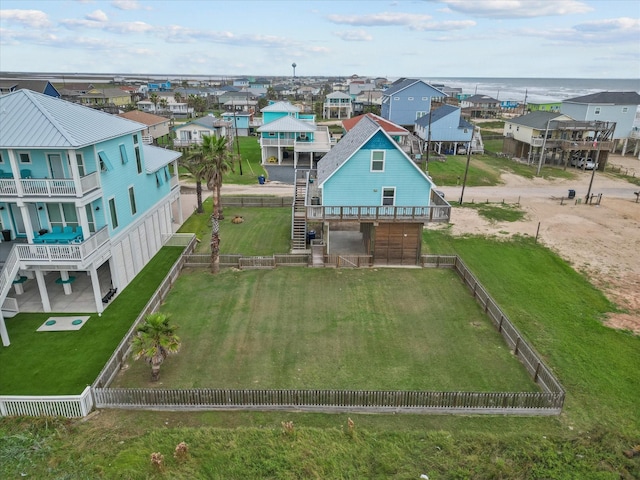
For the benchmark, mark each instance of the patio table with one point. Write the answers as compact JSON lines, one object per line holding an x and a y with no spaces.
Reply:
{"x":59,"y":237}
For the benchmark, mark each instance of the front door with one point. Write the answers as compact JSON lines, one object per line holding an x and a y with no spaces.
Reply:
{"x":56,"y":168}
{"x":18,"y":221}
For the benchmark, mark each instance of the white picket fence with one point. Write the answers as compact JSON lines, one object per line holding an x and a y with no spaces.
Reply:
{"x":70,"y":406}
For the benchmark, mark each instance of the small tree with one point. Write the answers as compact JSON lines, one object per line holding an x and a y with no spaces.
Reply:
{"x":155,"y":340}
{"x":192,"y":163}
{"x":154,"y":99}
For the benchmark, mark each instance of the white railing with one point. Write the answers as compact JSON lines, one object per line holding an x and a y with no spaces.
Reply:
{"x":10,"y":307}
{"x":42,"y":253}
{"x":277,"y":142}
{"x":174,"y":181}
{"x":537,"y":142}
{"x":49,"y":187}
{"x":71,"y":406}
{"x":8,"y":273}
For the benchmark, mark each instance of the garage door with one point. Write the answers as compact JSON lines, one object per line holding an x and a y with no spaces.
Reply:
{"x":397,"y":243}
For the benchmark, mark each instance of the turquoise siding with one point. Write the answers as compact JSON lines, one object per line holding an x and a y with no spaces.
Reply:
{"x":353,"y":184}
{"x":242,"y":121}
{"x":116,"y":182}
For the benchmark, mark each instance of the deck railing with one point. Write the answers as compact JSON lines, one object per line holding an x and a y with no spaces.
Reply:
{"x":70,"y":406}
{"x":432,"y":213}
{"x":42,"y":253}
{"x":50,"y":187}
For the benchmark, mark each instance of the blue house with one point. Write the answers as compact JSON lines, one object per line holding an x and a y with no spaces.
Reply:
{"x":159,"y":86}
{"x":406,"y":100}
{"x":84,"y":204}
{"x":240,"y":123}
{"x":39,"y":86}
{"x":369,"y":188}
{"x":286,"y":134}
{"x":445,"y":129}
{"x":191,"y":133}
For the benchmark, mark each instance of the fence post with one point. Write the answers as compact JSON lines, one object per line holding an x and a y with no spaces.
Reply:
{"x":500,"y":324}
{"x":515,"y":349}
{"x":535,"y":376}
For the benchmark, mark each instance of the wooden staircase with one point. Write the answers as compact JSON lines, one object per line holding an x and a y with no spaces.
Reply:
{"x":299,"y":220}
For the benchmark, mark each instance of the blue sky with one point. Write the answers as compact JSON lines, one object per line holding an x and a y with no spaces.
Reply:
{"x":420,"y":38}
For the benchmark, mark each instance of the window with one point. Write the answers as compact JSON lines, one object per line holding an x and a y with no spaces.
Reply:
{"x":410,"y":98}
{"x":138,"y":160}
{"x":1,"y":158}
{"x":123,"y":154}
{"x":114,"y":214}
{"x":272,"y":134}
{"x":132,"y":201}
{"x":92,"y":224}
{"x":425,"y":99}
{"x":625,"y":109}
{"x":596,"y":111}
{"x":24,"y":158}
{"x":80,"y":161}
{"x":396,"y":98}
{"x":420,"y":114}
{"x":105,"y":164}
{"x":377,"y":161}
{"x":389,"y":196}
{"x":135,"y":138}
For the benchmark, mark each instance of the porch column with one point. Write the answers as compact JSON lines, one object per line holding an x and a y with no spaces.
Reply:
{"x":66,"y":283}
{"x":295,"y":159}
{"x":3,"y":332}
{"x":624,"y":146}
{"x":42,"y":287}
{"x":279,"y":153}
{"x":95,"y":285}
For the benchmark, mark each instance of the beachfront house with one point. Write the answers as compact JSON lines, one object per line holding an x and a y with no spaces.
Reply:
{"x":480,"y":106}
{"x":288,"y":136}
{"x":84,"y":204}
{"x":408,"y":99}
{"x":368,"y":197}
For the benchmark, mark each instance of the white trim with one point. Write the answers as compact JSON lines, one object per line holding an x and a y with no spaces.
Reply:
{"x":28,"y":154}
{"x":384,"y":158}
{"x":383,"y":196}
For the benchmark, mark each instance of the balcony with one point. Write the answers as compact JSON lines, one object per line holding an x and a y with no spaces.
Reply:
{"x":586,"y":145}
{"x":76,"y":255}
{"x":48,"y":187}
{"x":431,"y":213}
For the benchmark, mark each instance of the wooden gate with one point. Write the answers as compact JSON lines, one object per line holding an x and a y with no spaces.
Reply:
{"x":397,"y":243}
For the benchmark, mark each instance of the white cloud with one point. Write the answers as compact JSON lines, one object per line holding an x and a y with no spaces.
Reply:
{"x":354,"y":36}
{"x":26,"y":18}
{"x":126,"y":4}
{"x":97,"y":16}
{"x":412,"y":21}
{"x":607,"y":31}
{"x":517,"y":8}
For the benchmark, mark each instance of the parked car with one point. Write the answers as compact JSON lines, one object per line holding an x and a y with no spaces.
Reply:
{"x":584,"y":162}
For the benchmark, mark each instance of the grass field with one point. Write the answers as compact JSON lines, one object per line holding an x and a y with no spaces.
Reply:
{"x":64,"y":363}
{"x":265,"y":231}
{"x":363,"y":329}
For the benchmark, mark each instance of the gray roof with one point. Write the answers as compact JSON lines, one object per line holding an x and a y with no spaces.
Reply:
{"x":396,"y":87}
{"x":610,"y":98}
{"x":537,"y":120}
{"x":442,"y":112}
{"x":208,"y":122}
{"x":338,"y":95}
{"x":281,"y":107}
{"x":155,"y":157}
{"x":346,"y":147}
{"x":479,"y":98}
{"x":34,"y":120}
{"x":288,"y":124}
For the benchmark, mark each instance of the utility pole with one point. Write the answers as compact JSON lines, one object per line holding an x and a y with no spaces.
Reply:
{"x":603,"y":138}
{"x":466,"y":169}
{"x":235,"y":123}
{"x":544,"y":144}
{"x":426,"y":164}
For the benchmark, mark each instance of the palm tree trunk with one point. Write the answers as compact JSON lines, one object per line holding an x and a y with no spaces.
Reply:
{"x":219,"y":201}
{"x":215,"y":242}
{"x":200,"y":209}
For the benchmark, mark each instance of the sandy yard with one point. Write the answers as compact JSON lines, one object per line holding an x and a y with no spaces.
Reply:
{"x":601,"y":241}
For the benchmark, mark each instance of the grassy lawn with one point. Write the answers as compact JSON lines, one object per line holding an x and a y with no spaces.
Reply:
{"x":63,"y":363}
{"x":369,"y":329}
{"x":562,"y":314}
{"x":265,"y":231}
{"x":498,"y":212}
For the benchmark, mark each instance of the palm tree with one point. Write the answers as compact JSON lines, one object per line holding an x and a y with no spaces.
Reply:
{"x":154,"y":99}
{"x":177,"y":96}
{"x":155,"y":340}
{"x":163,"y":104}
{"x":192,"y":163}
{"x":217,"y":161}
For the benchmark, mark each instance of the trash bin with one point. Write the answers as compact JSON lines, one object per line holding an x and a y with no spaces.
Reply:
{"x":261,"y":179}
{"x":311,"y":235}
{"x":6,"y":235}
{"x":572,"y":194}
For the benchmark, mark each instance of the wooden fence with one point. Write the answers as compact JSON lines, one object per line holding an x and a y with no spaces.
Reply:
{"x":352,"y":261}
{"x":70,"y":406}
{"x":240,"y":261}
{"x":548,"y":402}
{"x":123,"y":349}
{"x":374,"y":401}
{"x":249,"y":201}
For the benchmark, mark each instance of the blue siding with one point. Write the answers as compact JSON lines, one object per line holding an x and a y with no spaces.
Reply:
{"x":353,"y":184}
{"x":116,"y":182}
{"x":403,"y":111}
{"x":608,"y":113}
{"x":447,"y":129}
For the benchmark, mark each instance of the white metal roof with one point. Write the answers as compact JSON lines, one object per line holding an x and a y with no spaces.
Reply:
{"x":288,"y":124}
{"x":281,"y":107}
{"x":155,"y":157}
{"x":33,"y":120}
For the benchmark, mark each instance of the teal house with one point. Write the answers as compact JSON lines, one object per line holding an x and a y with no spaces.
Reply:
{"x":366,"y":185}
{"x":288,"y":136}
{"x":84,"y":205}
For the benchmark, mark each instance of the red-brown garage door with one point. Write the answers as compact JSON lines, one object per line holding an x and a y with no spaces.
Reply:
{"x":397,"y":243}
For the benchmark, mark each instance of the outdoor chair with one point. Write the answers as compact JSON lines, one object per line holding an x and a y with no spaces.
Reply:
{"x":68,"y":229}
{"x":56,"y":229}
{"x":25,"y":173}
